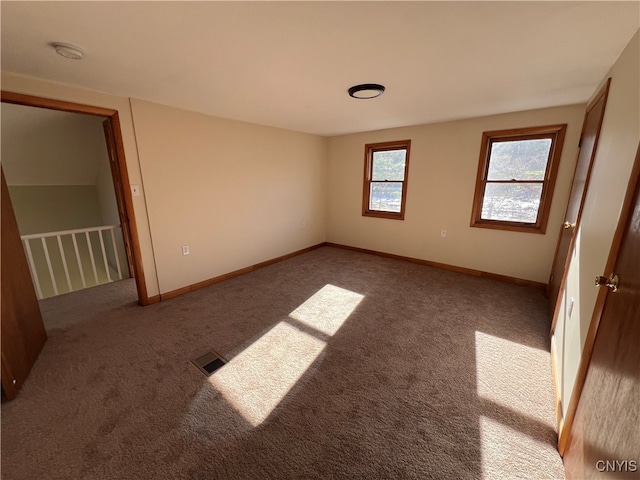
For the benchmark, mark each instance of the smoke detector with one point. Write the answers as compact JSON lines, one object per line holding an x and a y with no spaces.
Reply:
{"x":67,"y":50}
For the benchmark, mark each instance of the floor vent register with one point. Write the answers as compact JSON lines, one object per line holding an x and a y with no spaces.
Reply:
{"x":209,"y":362}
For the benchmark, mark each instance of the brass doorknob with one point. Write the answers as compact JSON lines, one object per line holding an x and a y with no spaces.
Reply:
{"x":568,"y":225}
{"x":612,"y":282}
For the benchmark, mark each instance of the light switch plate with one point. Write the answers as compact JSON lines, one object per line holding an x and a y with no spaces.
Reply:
{"x":570,"y":307}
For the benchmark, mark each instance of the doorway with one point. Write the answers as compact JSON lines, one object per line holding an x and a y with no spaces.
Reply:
{"x":130,"y":249}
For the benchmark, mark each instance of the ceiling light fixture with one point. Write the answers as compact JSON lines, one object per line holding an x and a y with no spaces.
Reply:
{"x":366,"y":90}
{"x":68,"y":50}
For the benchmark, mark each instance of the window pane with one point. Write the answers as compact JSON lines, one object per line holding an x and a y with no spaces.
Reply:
{"x":389,"y":165}
{"x":519,"y":160}
{"x":385,"y":196}
{"x":512,"y":202}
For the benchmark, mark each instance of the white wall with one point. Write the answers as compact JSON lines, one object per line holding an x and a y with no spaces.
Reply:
{"x":236,"y":193}
{"x":613,"y":161}
{"x":44,"y":208}
{"x":441,"y":182}
{"x":105,"y":189}
{"x":48,"y":147}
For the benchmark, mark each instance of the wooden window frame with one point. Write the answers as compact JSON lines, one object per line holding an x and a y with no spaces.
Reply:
{"x":369,"y":150}
{"x":556,"y":134}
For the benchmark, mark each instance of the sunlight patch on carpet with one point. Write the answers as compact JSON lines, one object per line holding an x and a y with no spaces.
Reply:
{"x":503,"y":374}
{"x":255,"y":381}
{"x":510,"y":453}
{"x":327,"y":309}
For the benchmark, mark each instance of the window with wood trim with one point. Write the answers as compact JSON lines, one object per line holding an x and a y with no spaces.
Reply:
{"x":386,"y":166}
{"x":516,"y":178}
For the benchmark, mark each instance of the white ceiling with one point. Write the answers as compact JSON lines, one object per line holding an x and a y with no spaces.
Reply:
{"x":289,"y":64}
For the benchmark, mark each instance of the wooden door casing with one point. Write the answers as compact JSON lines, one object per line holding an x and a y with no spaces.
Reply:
{"x":588,"y":144}
{"x":118,"y":188}
{"x":116,"y":143}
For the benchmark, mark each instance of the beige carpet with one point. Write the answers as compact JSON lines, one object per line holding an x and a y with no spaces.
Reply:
{"x":342,"y":365}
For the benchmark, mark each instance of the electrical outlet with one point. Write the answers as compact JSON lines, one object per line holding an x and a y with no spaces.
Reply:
{"x":185,"y":249}
{"x":135,"y":190}
{"x":443,"y":233}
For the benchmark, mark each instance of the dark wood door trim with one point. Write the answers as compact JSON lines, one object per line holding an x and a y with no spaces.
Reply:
{"x":23,"y":334}
{"x":117,"y":186}
{"x":51,"y":104}
{"x":604,"y":92}
{"x":627,"y":208}
{"x":112,"y":116}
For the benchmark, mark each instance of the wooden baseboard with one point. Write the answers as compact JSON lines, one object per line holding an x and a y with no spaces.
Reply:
{"x":149,"y":300}
{"x":251,"y":268}
{"x":444,"y":266}
{"x":242,"y":271}
{"x":556,"y":391}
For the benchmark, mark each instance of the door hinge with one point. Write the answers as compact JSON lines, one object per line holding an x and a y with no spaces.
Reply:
{"x":580,"y":142}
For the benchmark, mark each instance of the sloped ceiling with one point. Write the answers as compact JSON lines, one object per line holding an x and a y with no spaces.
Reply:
{"x":47,"y":147}
{"x":289,"y":64}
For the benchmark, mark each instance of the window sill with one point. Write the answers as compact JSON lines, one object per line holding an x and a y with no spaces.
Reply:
{"x":509,"y":226}
{"x":380,"y":214}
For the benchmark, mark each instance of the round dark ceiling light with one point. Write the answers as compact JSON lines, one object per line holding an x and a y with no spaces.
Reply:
{"x":366,"y":90}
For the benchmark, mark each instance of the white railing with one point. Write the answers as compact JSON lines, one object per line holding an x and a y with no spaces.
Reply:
{"x":70,"y":257}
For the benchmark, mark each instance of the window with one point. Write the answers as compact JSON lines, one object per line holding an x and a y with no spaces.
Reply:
{"x":516,"y":175}
{"x":385,"y":179}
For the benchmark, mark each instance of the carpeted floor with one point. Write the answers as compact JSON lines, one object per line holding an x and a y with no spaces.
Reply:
{"x":342,"y":365}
